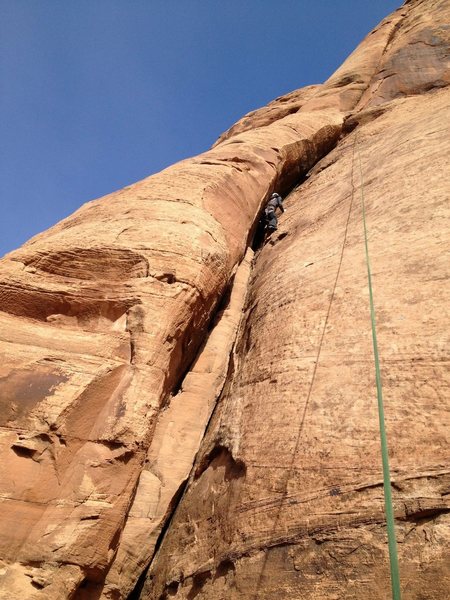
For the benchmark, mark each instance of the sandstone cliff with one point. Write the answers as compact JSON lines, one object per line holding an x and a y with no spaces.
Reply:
{"x":188,"y":414}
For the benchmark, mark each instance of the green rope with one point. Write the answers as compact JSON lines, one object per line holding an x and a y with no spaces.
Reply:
{"x":395,"y":577}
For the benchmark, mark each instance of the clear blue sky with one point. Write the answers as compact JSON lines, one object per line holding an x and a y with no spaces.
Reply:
{"x":97,"y":94}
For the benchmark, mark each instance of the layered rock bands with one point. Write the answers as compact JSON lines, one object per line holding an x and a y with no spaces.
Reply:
{"x":187,"y":412}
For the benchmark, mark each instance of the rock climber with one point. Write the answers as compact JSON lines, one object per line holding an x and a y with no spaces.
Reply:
{"x":275,"y":201}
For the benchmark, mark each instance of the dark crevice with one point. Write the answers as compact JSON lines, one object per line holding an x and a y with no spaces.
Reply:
{"x":38,"y":584}
{"x":347,"y":80}
{"x":425,"y":515}
{"x":132,"y":350}
{"x":22,"y":451}
{"x":225,"y":567}
{"x":198,"y":581}
{"x":220,"y":456}
{"x":135,"y":594}
{"x":221,"y":306}
{"x":171,"y":590}
{"x":112,"y":444}
{"x":187,"y":342}
{"x":362,"y":118}
{"x":169,"y":278}
{"x":259,"y":235}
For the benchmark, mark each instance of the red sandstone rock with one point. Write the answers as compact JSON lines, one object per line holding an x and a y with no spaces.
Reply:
{"x":286,"y":496}
{"x":108,"y":313}
{"x":102,"y":315}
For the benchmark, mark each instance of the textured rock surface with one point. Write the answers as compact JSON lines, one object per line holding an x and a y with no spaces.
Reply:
{"x":102,"y":315}
{"x":113,"y":356}
{"x":176,"y":440}
{"x":294,"y":507}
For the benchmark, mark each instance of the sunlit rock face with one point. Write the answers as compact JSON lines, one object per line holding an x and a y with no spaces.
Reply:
{"x":187,"y":412}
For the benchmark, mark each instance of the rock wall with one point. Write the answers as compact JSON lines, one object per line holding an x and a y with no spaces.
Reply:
{"x":164,"y":392}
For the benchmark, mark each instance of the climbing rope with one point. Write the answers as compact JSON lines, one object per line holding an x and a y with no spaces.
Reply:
{"x":394,"y":571}
{"x":306,"y":406}
{"x":393,"y":559}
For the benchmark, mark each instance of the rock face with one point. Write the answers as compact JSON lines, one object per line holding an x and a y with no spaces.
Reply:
{"x":182,"y":419}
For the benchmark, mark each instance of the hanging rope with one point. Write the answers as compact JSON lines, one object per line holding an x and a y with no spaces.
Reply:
{"x":395,"y":579}
{"x":290,"y":468}
{"x":393,"y":559}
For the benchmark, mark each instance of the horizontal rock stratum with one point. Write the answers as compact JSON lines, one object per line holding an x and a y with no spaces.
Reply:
{"x":188,"y":413}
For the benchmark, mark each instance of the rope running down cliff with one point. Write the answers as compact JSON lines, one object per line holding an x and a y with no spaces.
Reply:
{"x":311,"y":385}
{"x":393,"y":559}
{"x":394,"y":571}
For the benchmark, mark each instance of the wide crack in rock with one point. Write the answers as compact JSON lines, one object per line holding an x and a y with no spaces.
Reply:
{"x":178,"y":433}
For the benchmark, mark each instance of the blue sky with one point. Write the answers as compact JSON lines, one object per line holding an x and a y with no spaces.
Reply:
{"x":97,"y":94}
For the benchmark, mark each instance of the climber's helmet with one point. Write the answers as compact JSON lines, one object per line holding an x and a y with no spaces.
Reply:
{"x":274,"y":195}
